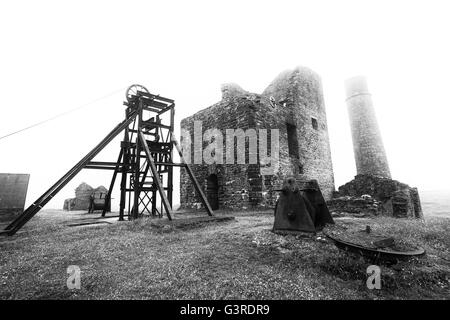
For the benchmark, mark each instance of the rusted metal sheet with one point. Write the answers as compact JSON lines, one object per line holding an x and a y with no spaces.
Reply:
{"x":322,"y":216}
{"x":377,"y":254}
{"x":388,"y":242}
{"x":13,"y":192}
{"x":300,"y":209}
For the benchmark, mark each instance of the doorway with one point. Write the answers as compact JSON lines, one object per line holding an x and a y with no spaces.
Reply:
{"x":212,"y":191}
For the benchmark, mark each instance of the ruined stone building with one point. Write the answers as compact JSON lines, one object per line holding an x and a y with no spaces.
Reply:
{"x":83,"y":195}
{"x":293,"y":103}
{"x":373,"y":175}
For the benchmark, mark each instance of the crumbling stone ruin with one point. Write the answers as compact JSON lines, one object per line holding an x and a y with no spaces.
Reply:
{"x":293,"y":103}
{"x":83,"y":194}
{"x":372,"y":191}
{"x":378,"y":196}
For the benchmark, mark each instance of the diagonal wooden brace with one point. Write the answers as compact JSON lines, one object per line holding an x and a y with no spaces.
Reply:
{"x":197,"y":186}
{"x":159,"y":185}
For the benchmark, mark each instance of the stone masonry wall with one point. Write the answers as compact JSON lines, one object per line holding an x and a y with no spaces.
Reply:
{"x":233,"y":184}
{"x":299,"y":99}
{"x":295,"y":97}
{"x":398,"y":199}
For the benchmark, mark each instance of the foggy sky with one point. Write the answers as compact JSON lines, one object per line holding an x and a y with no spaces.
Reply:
{"x":58,"y":55}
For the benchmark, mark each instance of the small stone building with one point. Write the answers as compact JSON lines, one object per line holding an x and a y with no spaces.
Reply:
{"x":83,"y":195}
{"x":292,"y":104}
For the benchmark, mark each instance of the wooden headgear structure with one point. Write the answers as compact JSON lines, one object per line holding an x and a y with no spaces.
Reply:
{"x":145,"y":161}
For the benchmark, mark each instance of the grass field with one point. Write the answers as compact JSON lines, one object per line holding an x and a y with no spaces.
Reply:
{"x":237,"y":259}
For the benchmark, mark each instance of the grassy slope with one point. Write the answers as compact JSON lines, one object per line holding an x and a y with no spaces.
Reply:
{"x":239,"y":259}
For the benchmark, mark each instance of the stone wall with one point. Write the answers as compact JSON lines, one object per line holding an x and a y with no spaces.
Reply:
{"x":355,"y":206}
{"x":234,"y":187}
{"x":294,"y":98}
{"x":396,"y":199}
{"x":83,"y":197}
{"x":300,"y":102}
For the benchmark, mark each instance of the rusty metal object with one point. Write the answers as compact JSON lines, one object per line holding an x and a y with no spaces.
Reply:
{"x":98,"y":202}
{"x":378,"y":254}
{"x":388,"y":242}
{"x":299,"y":210}
{"x":372,"y":245}
{"x":322,"y":215}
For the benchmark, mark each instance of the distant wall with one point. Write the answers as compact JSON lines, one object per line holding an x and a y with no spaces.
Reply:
{"x":83,"y":195}
{"x":13,"y":193}
{"x":398,"y":199}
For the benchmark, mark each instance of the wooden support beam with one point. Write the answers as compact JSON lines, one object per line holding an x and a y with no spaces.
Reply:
{"x":146,"y":189}
{"x":102,"y":163}
{"x":153,"y":125}
{"x":125,"y":145}
{"x":147,"y":133}
{"x":170,"y":168}
{"x":170,"y":107}
{"x":137,"y":165}
{"x":98,"y":167}
{"x":154,"y":96}
{"x":152,"y":103}
{"x":170,"y":164}
{"x":193,"y":178}
{"x":34,"y":208}
{"x":157,"y":110}
{"x":156,"y":179}
{"x":111,"y":185}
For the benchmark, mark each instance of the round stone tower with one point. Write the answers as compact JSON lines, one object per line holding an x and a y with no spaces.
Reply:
{"x":370,"y":156}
